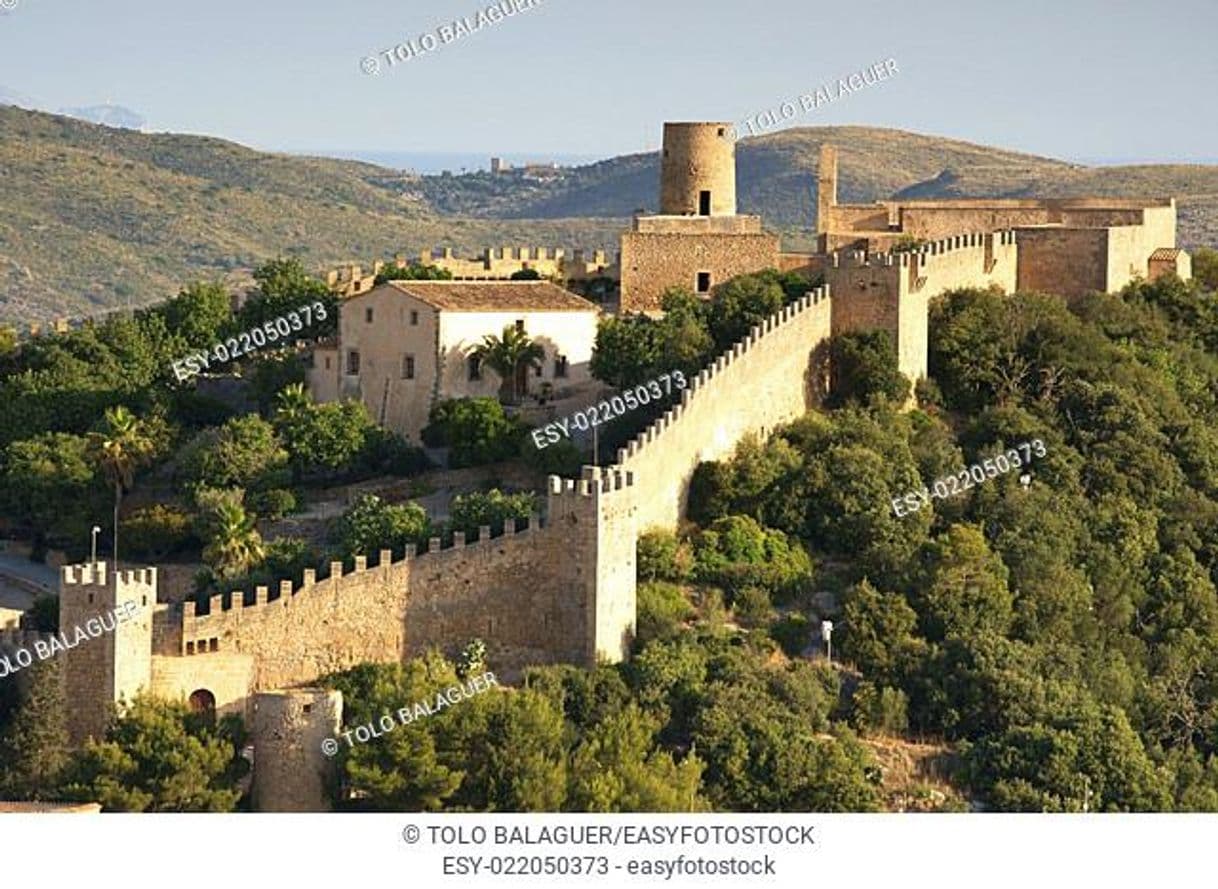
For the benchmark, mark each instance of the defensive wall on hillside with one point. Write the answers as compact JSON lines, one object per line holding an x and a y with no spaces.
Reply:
{"x":892,"y":291}
{"x":558,"y":592}
{"x":776,"y":374}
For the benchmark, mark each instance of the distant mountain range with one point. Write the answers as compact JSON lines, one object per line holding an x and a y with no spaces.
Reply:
{"x":92,"y":216}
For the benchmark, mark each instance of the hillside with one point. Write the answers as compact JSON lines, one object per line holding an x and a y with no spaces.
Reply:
{"x":94,"y":217}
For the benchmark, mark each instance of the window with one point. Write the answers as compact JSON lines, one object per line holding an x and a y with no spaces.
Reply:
{"x":560,"y":366}
{"x":327,"y":362}
{"x":704,"y":203}
{"x":352,"y":362}
{"x":368,"y":314}
{"x":704,"y":282}
{"x":475,"y":367}
{"x":414,"y":318}
{"x":520,"y":325}
{"x":407,"y":367}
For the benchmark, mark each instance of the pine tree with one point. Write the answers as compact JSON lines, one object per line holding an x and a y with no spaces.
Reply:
{"x":34,"y":745}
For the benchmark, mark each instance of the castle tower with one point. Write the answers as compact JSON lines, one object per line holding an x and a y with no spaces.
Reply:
{"x":291,"y":771}
{"x":116,"y":664}
{"x":826,"y":188}
{"x":698,"y":170}
{"x":697,"y":240}
{"x":600,"y":512}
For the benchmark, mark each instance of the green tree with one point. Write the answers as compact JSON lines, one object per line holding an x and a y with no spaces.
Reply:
{"x":370,"y":525}
{"x":235,"y":546}
{"x":617,"y":767}
{"x":628,"y":350}
{"x":740,"y":304}
{"x":413,"y":272}
{"x":510,"y":355}
{"x":1205,"y":268}
{"x":284,"y":286}
{"x":320,"y":438}
{"x":199,"y":314}
{"x":246,"y":453}
{"x":865,"y":367}
{"x":34,"y":745}
{"x":160,"y":757}
{"x":477,"y":430}
{"x":965,"y":588}
{"x":51,"y":485}
{"x":121,"y":447}
{"x":468,"y":512}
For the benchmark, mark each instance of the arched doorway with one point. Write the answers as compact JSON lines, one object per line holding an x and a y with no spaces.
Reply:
{"x":204,"y":702}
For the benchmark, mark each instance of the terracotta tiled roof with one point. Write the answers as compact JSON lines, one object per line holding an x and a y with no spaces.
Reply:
{"x":1165,"y":253}
{"x":493,"y":296}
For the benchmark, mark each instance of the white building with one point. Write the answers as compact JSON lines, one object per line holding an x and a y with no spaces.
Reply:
{"x":406,"y":344}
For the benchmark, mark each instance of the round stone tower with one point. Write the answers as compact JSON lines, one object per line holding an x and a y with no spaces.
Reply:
{"x":291,"y":771}
{"x":698,"y":170}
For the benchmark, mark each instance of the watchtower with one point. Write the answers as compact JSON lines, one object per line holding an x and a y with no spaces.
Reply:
{"x":116,"y":664}
{"x":698,"y":170}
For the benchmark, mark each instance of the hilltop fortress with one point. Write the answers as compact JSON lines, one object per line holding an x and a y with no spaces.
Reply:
{"x":561,"y":587}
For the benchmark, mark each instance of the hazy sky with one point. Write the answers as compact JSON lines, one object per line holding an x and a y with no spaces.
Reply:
{"x":1080,"y":79}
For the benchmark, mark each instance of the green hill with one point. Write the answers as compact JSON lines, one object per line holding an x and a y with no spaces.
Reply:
{"x":95,"y":217}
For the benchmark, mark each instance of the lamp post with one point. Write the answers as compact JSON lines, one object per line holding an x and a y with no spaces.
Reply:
{"x":93,"y":547}
{"x":826,"y":633}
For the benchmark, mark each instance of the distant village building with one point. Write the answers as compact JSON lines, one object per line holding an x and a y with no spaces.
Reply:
{"x":405,"y":345}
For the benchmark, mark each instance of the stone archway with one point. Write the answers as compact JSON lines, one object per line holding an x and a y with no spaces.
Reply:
{"x":203,"y":701}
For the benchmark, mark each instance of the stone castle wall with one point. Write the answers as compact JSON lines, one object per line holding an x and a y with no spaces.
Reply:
{"x":562,"y":592}
{"x":653,"y":262}
{"x":772,"y":377}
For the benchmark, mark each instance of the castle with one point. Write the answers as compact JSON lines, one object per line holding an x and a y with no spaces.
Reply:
{"x":562,"y":588}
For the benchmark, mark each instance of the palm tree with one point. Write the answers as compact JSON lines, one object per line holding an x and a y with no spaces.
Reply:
{"x":120,"y":448}
{"x":236,"y":546}
{"x":507,"y":354}
{"x":292,"y":403}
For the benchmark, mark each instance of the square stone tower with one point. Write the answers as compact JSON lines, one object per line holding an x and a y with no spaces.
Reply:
{"x":117,"y":664}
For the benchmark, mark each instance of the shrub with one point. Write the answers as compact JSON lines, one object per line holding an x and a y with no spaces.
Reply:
{"x":469,"y":512}
{"x":273,"y":504}
{"x":711,"y":492}
{"x":752,"y":606}
{"x":661,"y":556}
{"x":792,"y":632}
{"x":565,"y":458}
{"x":879,"y":709}
{"x":154,"y":532}
{"x":371,"y":525}
{"x":662,"y":609}
{"x":387,"y":453}
{"x":736,"y":552}
{"x":865,"y":368}
{"x":477,"y":430}
{"x":43,"y":614}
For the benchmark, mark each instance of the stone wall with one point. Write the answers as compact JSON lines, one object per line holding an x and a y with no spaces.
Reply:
{"x":229,"y":678}
{"x":292,"y":773}
{"x":652,"y":263}
{"x":772,"y":377}
{"x":563,"y":592}
{"x":1066,"y":261}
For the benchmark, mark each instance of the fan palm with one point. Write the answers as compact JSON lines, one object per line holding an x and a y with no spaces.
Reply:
{"x":508,"y":353}
{"x":120,"y":449}
{"x":236,"y":546}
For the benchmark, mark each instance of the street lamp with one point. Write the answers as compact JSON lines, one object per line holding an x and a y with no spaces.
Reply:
{"x":93,"y":556}
{"x":826,"y":633}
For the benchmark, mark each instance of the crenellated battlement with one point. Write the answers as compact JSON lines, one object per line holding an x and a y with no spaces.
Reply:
{"x":95,"y":574}
{"x":710,"y":376}
{"x":226,"y":610}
